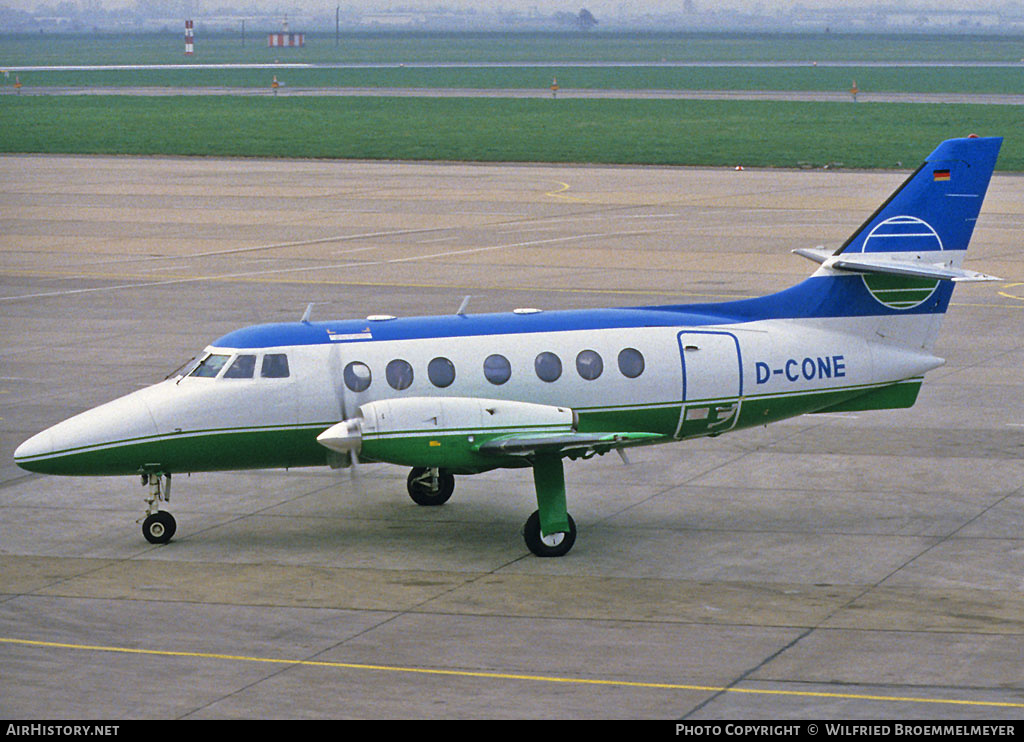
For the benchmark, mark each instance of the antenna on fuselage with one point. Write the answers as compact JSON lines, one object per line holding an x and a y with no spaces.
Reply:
{"x":308,"y":313}
{"x":465,"y":303}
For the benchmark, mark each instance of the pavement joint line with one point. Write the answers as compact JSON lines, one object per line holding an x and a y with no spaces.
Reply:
{"x":499,"y":675}
{"x":256,"y":277}
{"x":261,"y":277}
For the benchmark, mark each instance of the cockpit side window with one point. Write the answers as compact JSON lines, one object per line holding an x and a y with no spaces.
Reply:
{"x":242,"y":367}
{"x":275,"y":366}
{"x":210,"y":366}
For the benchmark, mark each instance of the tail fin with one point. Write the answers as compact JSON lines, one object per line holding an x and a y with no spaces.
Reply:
{"x":907,"y":255}
{"x":936,"y":208}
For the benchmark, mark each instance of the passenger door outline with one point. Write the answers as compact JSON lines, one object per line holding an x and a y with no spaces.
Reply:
{"x":712,"y":382}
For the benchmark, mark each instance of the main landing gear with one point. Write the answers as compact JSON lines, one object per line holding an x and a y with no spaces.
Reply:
{"x":555,"y":545}
{"x":158,"y":526}
{"x":549,"y":532}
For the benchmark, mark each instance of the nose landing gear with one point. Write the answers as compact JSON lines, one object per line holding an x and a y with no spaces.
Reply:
{"x":158,"y":526}
{"x":430,"y":486}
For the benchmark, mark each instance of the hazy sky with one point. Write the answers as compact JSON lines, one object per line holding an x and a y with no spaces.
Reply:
{"x":544,"y":6}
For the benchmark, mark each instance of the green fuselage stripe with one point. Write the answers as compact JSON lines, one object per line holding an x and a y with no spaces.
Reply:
{"x":280,"y":446}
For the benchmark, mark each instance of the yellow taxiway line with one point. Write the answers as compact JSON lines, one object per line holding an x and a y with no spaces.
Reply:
{"x":500,"y":676}
{"x":1010,"y":295}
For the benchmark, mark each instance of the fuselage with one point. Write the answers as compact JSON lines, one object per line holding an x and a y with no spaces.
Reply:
{"x":260,"y":396}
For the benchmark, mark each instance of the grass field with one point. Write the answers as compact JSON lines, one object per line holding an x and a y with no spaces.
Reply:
{"x":164,"y":48}
{"x":1005,"y":80}
{"x":544,"y":49}
{"x":772,"y":134}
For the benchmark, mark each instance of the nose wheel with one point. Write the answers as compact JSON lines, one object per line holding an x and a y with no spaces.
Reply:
{"x":158,"y":526}
{"x":431,"y":486}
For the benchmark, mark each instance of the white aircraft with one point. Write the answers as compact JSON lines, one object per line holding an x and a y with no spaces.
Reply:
{"x":463,"y":394}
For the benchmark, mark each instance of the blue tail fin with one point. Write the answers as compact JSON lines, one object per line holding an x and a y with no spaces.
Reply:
{"x":900,"y":265}
{"x":937,"y":207}
{"x":893,"y":278}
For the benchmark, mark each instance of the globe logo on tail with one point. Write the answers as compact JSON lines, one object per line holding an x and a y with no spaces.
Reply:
{"x":901,"y":234}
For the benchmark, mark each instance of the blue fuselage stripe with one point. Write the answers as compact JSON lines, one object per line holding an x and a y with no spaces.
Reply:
{"x":819,"y":296}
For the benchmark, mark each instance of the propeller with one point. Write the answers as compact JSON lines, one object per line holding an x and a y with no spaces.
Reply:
{"x":345,"y":437}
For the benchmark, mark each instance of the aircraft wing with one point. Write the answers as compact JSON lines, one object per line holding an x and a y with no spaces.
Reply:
{"x":565,"y":444}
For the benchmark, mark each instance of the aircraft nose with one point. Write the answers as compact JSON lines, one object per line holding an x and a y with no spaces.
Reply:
{"x":39,"y":445}
{"x":91,"y":442}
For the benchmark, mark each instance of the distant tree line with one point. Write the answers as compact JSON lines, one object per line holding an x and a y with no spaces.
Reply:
{"x":584,"y":20}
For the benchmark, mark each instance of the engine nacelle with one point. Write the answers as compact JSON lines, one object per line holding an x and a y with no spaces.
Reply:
{"x":443,"y":432}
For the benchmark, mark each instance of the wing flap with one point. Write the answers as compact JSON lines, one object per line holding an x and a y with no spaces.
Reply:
{"x":565,"y":444}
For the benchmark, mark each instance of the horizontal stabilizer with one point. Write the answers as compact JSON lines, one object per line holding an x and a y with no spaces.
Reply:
{"x":869,"y":263}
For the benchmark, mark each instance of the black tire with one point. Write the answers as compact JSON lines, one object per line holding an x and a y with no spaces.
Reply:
{"x":159,"y":527}
{"x":534,"y":542}
{"x":421,"y":489}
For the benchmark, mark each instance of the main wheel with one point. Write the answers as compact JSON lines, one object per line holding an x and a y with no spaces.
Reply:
{"x":425,"y":490}
{"x":555,"y":545}
{"x":159,"y":527}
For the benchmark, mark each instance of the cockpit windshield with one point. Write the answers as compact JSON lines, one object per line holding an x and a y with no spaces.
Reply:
{"x":242,"y":368}
{"x":210,"y":366}
{"x":234,"y":366}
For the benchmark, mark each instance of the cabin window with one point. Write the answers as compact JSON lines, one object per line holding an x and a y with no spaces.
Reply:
{"x":210,"y":366}
{"x":441,"y":372}
{"x":242,"y":367}
{"x":589,"y":364}
{"x":399,"y":374}
{"x":631,"y":362}
{"x":497,"y":369}
{"x":548,"y":366}
{"x":357,"y":376}
{"x":275,"y":366}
